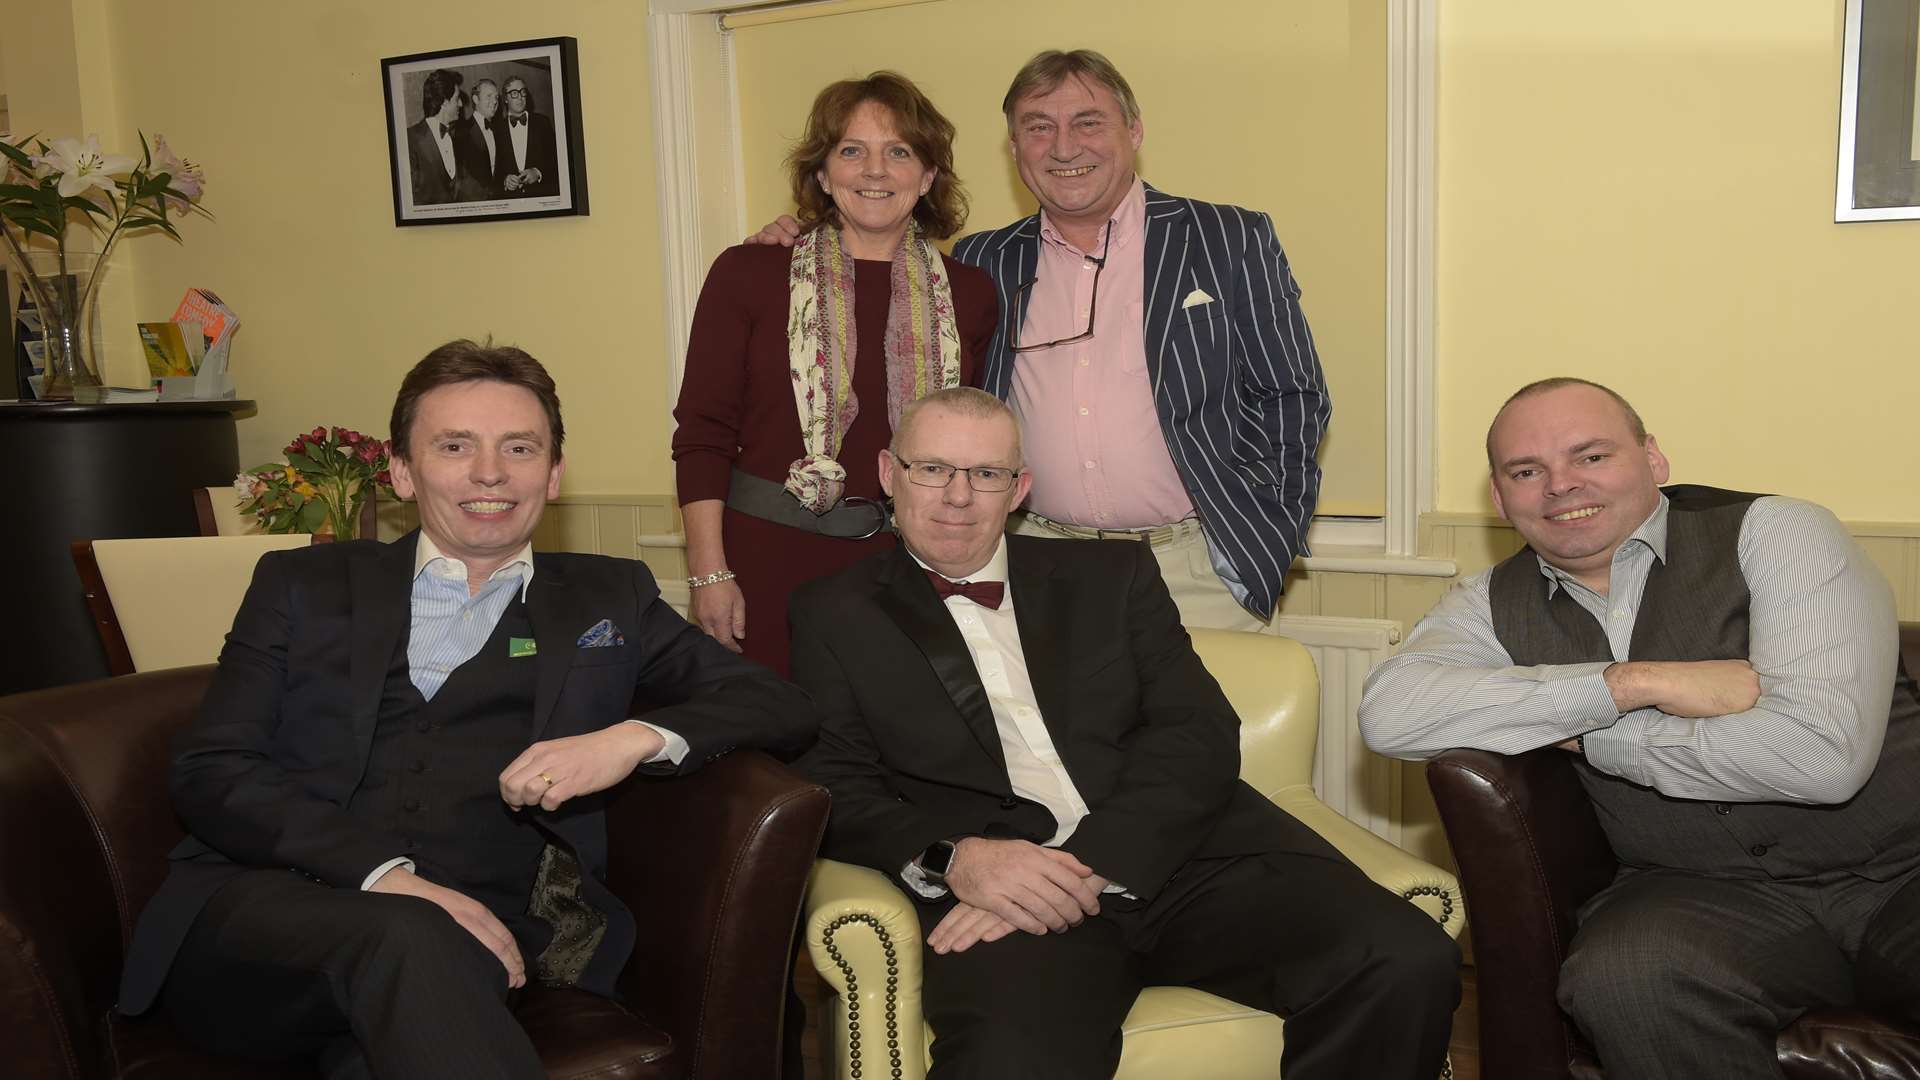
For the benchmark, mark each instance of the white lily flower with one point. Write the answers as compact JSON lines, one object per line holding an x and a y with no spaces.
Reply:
{"x":82,"y":166}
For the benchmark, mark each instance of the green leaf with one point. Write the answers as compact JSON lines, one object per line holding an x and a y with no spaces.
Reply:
{"x":17,"y":156}
{"x":313,"y":515}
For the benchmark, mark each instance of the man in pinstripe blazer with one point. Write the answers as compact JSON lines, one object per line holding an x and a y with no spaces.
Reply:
{"x":1154,"y":349}
{"x":1723,"y":667}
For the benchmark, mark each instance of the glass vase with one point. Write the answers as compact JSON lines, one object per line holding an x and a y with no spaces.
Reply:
{"x":63,"y":290}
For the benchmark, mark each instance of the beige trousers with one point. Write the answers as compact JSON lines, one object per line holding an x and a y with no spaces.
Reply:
{"x":1203,"y":599}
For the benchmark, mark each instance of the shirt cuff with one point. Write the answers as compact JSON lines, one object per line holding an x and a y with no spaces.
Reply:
{"x":916,"y":880}
{"x":381,"y":870}
{"x":1615,"y":750}
{"x":674,"y":748}
{"x":1581,"y":700}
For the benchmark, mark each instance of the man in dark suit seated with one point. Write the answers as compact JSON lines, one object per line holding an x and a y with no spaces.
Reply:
{"x":532,"y":155}
{"x":393,"y":792}
{"x":433,"y":151}
{"x":1723,"y":669}
{"x":1018,"y":731}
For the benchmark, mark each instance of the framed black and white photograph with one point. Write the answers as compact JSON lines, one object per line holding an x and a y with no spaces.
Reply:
{"x":1880,"y":112}
{"x":487,"y":133}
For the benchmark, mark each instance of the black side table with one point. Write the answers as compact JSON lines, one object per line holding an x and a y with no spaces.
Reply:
{"x":88,"y":472}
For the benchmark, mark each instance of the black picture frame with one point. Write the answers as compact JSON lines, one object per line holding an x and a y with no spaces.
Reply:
{"x":539,"y":171}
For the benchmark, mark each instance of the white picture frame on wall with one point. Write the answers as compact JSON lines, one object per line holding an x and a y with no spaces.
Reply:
{"x":1879,"y":168}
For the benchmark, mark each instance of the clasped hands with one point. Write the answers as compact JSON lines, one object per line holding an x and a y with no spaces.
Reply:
{"x":546,"y":774}
{"x":1008,"y":885}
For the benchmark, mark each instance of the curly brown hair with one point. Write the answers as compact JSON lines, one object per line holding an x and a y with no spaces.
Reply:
{"x":941,"y":211}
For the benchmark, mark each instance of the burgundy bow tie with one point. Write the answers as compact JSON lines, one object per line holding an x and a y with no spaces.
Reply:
{"x":987,"y":594}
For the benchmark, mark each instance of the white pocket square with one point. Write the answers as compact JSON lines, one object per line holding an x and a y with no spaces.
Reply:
{"x":1195,"y":299}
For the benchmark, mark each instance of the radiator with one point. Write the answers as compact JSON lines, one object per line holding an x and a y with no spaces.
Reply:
{"x":1363,"y":786}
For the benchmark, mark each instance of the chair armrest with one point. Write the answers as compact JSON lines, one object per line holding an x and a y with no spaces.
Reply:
{"x":863,"y":935}
{"x":1424,"y":885}
{"x":713,"y":865}
{"x":1530,"y":852}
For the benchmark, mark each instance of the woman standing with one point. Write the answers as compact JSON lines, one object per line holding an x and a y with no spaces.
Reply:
{"x":800,"y":361}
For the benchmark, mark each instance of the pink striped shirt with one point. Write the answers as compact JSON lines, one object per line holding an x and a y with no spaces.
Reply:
{"x":1087,"y":418}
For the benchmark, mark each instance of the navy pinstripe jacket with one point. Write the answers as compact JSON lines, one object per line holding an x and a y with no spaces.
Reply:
{"x":1236,"y":382}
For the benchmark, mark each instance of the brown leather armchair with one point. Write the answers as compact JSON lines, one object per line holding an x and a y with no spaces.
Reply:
{"x":1531,"y":852}
{"x":85,"y":827}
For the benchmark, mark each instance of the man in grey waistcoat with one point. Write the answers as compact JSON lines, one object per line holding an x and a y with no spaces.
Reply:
{"x":1725,"y":667}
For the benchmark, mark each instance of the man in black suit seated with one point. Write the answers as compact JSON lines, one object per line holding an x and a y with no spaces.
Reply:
{"x":1018,"y":731}
{"x":433,"y":157}
{"x":479,"y":146}
{"x":533,"y":158}
{"x":393,"y":791}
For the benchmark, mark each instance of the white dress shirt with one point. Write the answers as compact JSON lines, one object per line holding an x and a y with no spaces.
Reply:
{"x":1033,"y":765}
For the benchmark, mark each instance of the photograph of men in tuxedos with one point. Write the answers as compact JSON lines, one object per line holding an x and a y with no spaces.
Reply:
{"x":1019,"y":733}
{"x":1722,"y":669}
{"x":479,"y":145}
{"x":533,"y":157}
{"x":432,"y":145}
{"x":388,"y":792}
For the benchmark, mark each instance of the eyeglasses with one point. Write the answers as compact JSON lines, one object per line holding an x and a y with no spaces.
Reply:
{"x":938,"y":474}
{"x":516,"y":93}
{"x":1093,"y":298}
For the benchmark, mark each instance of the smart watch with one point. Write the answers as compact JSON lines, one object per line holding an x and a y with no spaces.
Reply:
{"x":936,"y":860}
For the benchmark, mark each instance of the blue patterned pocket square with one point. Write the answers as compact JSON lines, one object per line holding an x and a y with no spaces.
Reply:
{"x":601,"y":635}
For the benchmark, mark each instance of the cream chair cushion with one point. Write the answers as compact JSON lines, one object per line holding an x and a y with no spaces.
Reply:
{"x":864,"y":935}
{"x":175,"y":597}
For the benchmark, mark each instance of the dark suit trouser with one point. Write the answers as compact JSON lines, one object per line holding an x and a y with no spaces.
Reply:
{"x":1676,"y":975}
{"x":1366,"y":981}
{"x":279,"y":967}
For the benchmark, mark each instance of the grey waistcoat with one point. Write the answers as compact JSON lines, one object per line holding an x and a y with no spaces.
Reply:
{"x":1695,"y":608}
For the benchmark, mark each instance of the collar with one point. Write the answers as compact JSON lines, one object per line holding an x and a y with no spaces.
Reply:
{"x":1129,"y":220}
{"x":994,"y":570}
{"x":1652,"y":535}
{"x":429,"y":559}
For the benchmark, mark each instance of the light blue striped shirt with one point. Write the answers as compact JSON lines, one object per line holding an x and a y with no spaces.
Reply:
{"x":450,"y":624}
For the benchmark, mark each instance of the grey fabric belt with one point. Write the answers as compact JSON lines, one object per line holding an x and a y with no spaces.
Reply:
{"x":854,"y":518}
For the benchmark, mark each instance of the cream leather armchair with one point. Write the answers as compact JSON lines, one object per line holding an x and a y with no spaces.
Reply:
{"x":864,"y":937}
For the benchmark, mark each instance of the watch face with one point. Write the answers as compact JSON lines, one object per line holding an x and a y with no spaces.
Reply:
{"x":937,"y":858}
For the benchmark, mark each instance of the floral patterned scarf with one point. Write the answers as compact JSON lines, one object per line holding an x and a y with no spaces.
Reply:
{"x":922,"y":347}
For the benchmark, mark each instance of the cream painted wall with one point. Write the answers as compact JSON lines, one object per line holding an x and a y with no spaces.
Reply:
{"x":1642,"y":193}
{"x":1281,"y":107}
{"x":283,"y":105}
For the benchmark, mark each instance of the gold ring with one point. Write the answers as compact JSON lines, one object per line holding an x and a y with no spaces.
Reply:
{"x":547,"y":778}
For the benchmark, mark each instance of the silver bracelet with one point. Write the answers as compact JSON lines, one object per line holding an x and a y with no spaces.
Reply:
{"x":714,"y":578}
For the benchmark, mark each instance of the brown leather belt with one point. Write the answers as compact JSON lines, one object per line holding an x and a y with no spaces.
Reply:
{"x":1159,"y":534}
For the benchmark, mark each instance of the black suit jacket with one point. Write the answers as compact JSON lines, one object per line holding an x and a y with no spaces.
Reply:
{"x":480,"y":176}
{"x":542,"y":153}
{"x":908,"y":745}
{"x":263,"y":777}
{"x":431,"y":184}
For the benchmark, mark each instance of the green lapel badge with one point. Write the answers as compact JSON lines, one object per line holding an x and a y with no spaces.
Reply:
{"x":521,"y":646}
